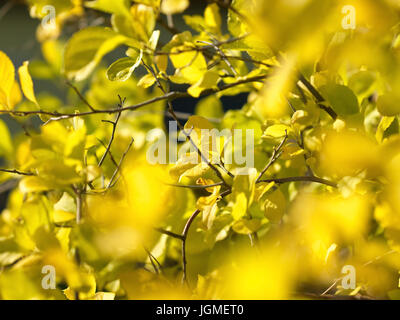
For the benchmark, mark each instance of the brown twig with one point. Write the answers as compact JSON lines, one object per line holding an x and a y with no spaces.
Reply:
{"x":6,"y":8}
{"x":114,"y":128}
{"x":276,"y":153}
{"x":305,"y":179}
{"x":110,"y":183}
{"x":184,"y":235}
{"x":169,"y":233}
{"x":79,"y":94}
{"x":15,"y":171}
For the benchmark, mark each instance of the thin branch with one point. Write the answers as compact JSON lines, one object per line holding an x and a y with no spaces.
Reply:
{"x":320,"y":99}
{"x":184,"y":235}
{"x":169,"y":233}
{"x":334,"y":296}
{"x":114,"y":128}
{"x":6,"y":8}
{"x":305,"y":179}
{"x":222,"y":54}
{"x":152,"y":260}
{"x":109,"y":152}
{"x":275,"y":155}
{"x":15,"y":171}
{"x":195,"y":186}
{"x":119,"y":164}
{"x":80,"y":95}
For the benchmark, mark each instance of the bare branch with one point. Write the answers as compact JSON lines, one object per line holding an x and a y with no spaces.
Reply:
{"x":80,"y":95}
{"x":222,"y":54}
{"x":320,"y":99}
{"x":169,"y":233}
{"x":109,"y":152}
{"x":6,"y":8}
{"x":119,"y":164}
{"x":305,"y":179}
{"x":275,"y":155}
{"x":114,"y":128}
{"x":184,"y":234}
{"x":195,"y":186}
{"x":15,"y":171}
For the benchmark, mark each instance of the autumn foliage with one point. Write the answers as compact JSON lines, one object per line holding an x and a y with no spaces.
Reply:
{"x":323,"y":104}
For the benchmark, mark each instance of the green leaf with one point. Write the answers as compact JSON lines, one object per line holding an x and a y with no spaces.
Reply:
{"x":86,"y":48}
{"x":341,"y":98}
{"x":122,"y":69}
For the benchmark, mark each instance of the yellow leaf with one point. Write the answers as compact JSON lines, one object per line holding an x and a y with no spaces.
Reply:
{"x":382,"y":127}
{"x":198,"y":122}
{"x":244,"y":226}
{"x":209,"y":80}
{"x":7,"y":75}
{"x":161,"y":62}
{"x":275,"y":206}
{"x":174,"y":6}
{"x":272,"y":101}
{"x":240,"y":208}
{"x":146,"y":81}
{"x":278,"y":130}
{"x":26,"y":82}
{"x":212,"y":16}
{"x":34,"y":184}
{"x":103,"y":296}
{"x":15,"y":95}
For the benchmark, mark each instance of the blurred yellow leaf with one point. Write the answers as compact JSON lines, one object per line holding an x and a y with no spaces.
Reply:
{"x":174,"y":6}
{"x":26,"y":82}
{"x":7,"y":75}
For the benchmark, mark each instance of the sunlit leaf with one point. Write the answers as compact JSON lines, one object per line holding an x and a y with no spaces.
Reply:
{"x":26,"y":82}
